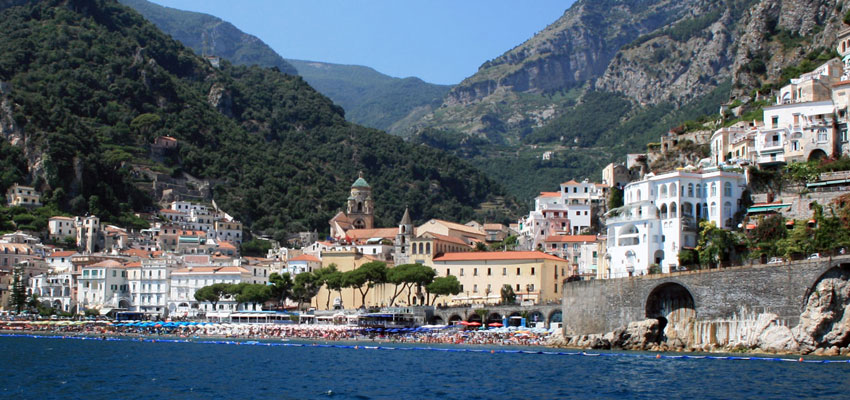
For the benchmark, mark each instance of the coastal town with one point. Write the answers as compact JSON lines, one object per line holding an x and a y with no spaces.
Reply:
{"x":646,"y":216}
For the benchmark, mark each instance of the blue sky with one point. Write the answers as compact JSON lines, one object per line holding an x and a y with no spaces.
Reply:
{"x":440,"y":41}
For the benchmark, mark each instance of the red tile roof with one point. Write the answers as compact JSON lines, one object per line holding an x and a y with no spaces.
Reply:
{"x":498,"y":255}
{"x":61,"y":254}
{"x":550,"y":194}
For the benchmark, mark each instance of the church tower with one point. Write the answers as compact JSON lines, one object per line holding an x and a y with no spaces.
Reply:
{"x":402,"y":240}
{"x":360,"y":205}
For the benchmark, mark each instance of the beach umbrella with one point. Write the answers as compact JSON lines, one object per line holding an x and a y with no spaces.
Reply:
{"x":495,"y":324}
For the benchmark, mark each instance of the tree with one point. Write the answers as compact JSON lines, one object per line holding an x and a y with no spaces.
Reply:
{"x":306,"y":286}
{"x":334,"y":281}
{"x":18,"y":297}
{"x":253,"y":293}
{"x":480,"y":246}
{"x":366,"y":276}
{"x":322,"y":275}
{"x":715,"y":244}
{"x":211,"y":293}
{"x":797,"y":242}
{"x":615,"y":198}
{"x":508,"y":295}
{"x":443,"y":286}
{"x":764,"y":238}
{"x":281,"y":287}
{"x":830,"y":233}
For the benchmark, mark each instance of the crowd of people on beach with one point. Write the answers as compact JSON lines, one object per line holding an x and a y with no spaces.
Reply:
{"x":452,"y":334}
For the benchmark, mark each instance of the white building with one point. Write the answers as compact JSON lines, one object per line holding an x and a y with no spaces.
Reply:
{"x":150,"y":282}
{"x":54,"y":289}
{"x":661,"y":214}
{"x":185,"y":282}
{"x":103,"y":286}
{"x":60,"y":228}
{"x":569,"y":211}
{"x":60,"y":260}
{"x":301,"y":264}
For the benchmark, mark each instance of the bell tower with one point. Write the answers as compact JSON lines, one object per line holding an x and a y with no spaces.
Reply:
{"x":360,"y":207}
{"x":402,"y":240}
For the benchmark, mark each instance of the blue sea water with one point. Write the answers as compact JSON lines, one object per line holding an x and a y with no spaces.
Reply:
{"x":55,"y":368}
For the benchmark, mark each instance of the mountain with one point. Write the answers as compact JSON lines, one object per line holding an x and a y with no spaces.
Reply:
{"x":87,"y":85}
{"x":371,"y":98}
{"x":208,"y":35}
{"x":368,"y":97}
{"x":609,"y":76}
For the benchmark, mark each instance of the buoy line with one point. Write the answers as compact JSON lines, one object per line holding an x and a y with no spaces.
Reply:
{"x":462,"y":350}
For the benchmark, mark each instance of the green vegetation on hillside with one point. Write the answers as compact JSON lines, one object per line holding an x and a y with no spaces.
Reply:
{"x":94,"y":84}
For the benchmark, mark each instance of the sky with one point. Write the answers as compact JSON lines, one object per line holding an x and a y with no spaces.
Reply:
{"x":439,"y":41}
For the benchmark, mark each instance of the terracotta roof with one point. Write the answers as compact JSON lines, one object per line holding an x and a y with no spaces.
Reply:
{"x":571,"y":238}
{"x":196,"y":259}
{"x":106,"y":264}
{"x":493,"y":226}
{"x":550,"y":194}
{"x":571,"y":182}
{"x":498,"y":255}
{"x":305,"y":257}
{"x":137,"y":253}
{"x":135,"y":264}
{"x":450,"y":239}
{"x":223,"y":244}
{"x":601,"y":185}
{"x":362,"y":234}
{"x":62,"y":218}
{"x":61,"y":254}
{"x":842,"y":83}
{"x":456,"y":226}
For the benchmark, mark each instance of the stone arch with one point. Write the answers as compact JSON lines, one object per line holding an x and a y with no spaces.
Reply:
{"x":437,"y":320}
{"x":455,"y":318}
{"x":474,"y":317}
{"x":57,"y":305}
{"x":671,"y":304}
{"x":556,"y":316}
{"x":535,"y":316}
{"x":817,"y":154}
{"x":124,"y":303}
{"x":494,"y":317}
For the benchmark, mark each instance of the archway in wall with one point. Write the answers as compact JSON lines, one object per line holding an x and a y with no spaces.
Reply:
{"x":474,"y":317}
{"x":437,"y":320}
{"x":556,"y":316}
{"x":454,"y":319}
{"x":658,"y":256}
{"x":57,"y":305}
{"x":124,"y":304}
{"x":672,"y":305}
{"x":534,"y":317}
{"x":817,"y":154}
{"x":494,"y":317}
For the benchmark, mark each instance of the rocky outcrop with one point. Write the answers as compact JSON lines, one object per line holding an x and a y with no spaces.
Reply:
{"x":219,"y":97}
{"x":825,"y":322}
{"x":8,"y":128}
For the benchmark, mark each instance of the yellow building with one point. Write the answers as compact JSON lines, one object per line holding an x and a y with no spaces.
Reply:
{"x":25,"y":196}
{"x":348,"y":259}
{"x":533,"y":275}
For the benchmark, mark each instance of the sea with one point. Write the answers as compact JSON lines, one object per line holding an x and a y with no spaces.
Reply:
{"x":57,"y":368}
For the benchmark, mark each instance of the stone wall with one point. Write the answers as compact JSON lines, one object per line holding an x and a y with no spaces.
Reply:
{"x":600,"y":306}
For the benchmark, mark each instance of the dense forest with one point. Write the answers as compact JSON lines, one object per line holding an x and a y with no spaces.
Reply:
{"x":93,"y":83}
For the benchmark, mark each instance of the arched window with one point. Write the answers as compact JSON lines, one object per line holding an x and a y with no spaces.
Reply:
{"x":690,"y":190}
{"x":662,"y":193}
{"x":727,"y":210}
{"x":673,"y":190}
{"x":427,"y":248}
{"x":727,"y":189}
{"x":713,"y":210}
{"x":714,"y":189}
{"x":663,"y":211}
{"x":638,"y":195}
{"x":699,"y":190}
{"x":673,"y":209}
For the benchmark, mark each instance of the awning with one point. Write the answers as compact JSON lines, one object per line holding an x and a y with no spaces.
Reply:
{"x":768,"y":207}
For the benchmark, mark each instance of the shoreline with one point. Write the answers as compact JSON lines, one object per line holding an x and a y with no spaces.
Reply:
{"x":355,"y":342}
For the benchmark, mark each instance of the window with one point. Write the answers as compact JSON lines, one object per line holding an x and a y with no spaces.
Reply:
{"x":822,"y":137}
{"x":448,"y":271}
{"x":475,"y":288}
{"x":556,"y":288}
{"x":461,"y":272}
{"x":774,"y":121}
{"x":727,"y":189}
{"x":714,"y":189}
{"x":530,"y":287}
{"x":488,"y":272}
{"x":727,"y":209}
{"x":532,"y":270}
{"x":517,"y":287}
{"x":713,"y":209}
{"x":504,"y":272}
{"x":475,"y":272}
{"x":517,"y":271}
